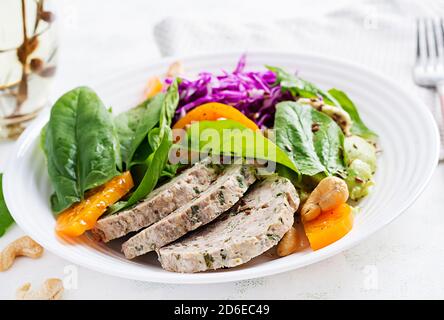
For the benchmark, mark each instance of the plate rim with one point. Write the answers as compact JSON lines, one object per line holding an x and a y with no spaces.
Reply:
{"x":206,"y":278}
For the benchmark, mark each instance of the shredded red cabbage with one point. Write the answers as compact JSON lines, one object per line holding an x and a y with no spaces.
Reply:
{"x":254,"y":93}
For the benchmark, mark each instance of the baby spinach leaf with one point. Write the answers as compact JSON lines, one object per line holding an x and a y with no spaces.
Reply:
{"x":160,"y":141}
{"x":312,"y":140}
{"x":155,"y":164}
{"x":133,"y":126}
{"x":358,"y":127}
{"x":228,"y":137}
{"x":299,"y":87}
{"x":154,"y":138}
{"x":169,"y":106}
{"x":6,"y":219}
{"x":293,"y":130}
{"x":328,"y":140}
{"x":81,"y":146}
{"x":157,"y":145}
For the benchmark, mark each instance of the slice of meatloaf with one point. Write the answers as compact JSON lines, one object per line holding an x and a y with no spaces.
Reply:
{"x":260,"y":220}
{"x":229,"y":187}
{"x":161,"y":202}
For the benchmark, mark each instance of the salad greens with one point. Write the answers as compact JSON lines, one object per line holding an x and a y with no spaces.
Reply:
{"x":81,"y":146}
{"x":5,"y":217}
{"x":133,"y":126}
{"x":155,"y":164}
{"x":159,"y":142}
{"x":358,"y":127}
{"x":299,"y":87}
{"x":311,"y":139}
{"x":328,"y":140}
{"x":228,"y":137}
{"x":85,"y":146}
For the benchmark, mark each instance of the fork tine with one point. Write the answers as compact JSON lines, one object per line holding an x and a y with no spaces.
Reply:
{"x":421,"y":42}
{"x":440,"y":31}
{"x":430,"y":39}
{"x":437,"y":49}
{"x":418,"y":46}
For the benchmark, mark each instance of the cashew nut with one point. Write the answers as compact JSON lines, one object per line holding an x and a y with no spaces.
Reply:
{"x":328,"y":195}
{"x":52,"y":289}
{"x":289,"y":243}
{"x":340,"y":116}
{"x":23,"y":246}
{"x":175,"y":69}
{"x":293,"y":241}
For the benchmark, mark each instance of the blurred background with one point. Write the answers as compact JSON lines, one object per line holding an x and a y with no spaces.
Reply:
{"x":98,"y":36}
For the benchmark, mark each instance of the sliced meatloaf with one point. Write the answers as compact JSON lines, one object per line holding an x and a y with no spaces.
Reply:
{"x":229,"y":187}
{"x":161,"y":202}
{"x":249,"y":229}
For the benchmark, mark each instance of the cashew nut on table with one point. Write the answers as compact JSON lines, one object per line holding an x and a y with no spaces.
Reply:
{"x":23,"y":246}
{"x":52,"y":289}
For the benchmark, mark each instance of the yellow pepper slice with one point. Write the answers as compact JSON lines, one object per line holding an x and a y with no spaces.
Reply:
{"x":83,"y":215}
{"x":214,"y":111}
{"x":329,"y":226}
{"x":153,"y":86}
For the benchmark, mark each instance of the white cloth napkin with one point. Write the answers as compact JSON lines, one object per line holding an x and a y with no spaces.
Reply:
{"x":377,"y":34}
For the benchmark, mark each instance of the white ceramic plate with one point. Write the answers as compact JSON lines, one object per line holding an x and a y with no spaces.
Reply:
{"x":408,"y":137}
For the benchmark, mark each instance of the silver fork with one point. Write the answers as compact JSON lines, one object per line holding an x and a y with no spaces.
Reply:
{"x":429,"y":67}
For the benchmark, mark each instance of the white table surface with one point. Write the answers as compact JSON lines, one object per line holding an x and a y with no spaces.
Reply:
{"x":404,"y":260}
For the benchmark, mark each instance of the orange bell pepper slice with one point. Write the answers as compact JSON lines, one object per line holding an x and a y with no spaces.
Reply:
{"x":83,"y":215}
{"x":153,"y":86}
{"x":214,"y":111}
{"x":329,"y":226}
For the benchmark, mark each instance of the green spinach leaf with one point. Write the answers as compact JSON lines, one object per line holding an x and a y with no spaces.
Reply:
{"x":133,"y":126}
{"x":311,"y":139}
{"x":157,"y":145}
{"x":6,"y":219}
{"x":155,"y":164}
{"x":358,"y":127}
{"x":81,"y":146}
{"x":169,"y":106}
{"x":227,"y":137}
{"x":328,"y":140}
{"x":299,"y":87}
{"x":293,"y":130}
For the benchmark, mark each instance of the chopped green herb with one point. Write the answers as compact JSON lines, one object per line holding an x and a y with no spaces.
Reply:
{"x":273,"y":237}
{"x":208,"y":260}
{"x":240,"y":180}
{"x":223,"y":254}
{"x":194,"y":213}
{"x":196,"y":190}
{"x":221,"y":197}
{"x":244,"y":171}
